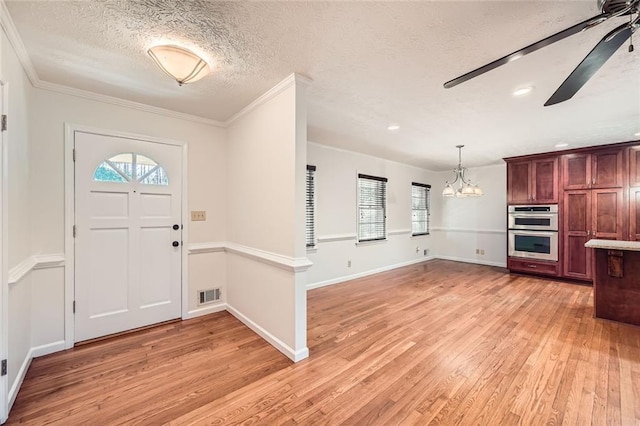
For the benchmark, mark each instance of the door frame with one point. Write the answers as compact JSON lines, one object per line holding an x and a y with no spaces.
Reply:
{"x":69,"y":221}
{"x":4,"y":272}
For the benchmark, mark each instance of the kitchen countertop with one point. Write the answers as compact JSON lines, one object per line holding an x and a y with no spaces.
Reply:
{"x":614,"y":245}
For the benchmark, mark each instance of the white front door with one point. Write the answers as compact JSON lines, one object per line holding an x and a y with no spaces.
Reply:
{"x":128,"y":235}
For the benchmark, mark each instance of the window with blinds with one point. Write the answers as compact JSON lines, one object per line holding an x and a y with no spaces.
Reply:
{"x":311,"y":223}
{"x":372,"y":206}
{"x":420,"y":208}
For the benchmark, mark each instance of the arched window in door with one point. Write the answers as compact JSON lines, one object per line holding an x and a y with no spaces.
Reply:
{"x":129,"y":167}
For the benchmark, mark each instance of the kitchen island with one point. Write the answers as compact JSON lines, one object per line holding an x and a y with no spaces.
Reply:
{"x":616,"y":283}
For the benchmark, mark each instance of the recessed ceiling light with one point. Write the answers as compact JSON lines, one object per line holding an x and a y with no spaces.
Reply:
{"x":514,"y":57}
{"x":561,"y":145}
{"x":522,"y":91}
{"x":393,"y":126}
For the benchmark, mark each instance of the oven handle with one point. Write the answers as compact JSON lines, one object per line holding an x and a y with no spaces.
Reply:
{"x":546,"y":234}
{"x":536,"y":215}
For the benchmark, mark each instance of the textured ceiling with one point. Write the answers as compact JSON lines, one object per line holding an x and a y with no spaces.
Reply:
{"x":372,"y":63}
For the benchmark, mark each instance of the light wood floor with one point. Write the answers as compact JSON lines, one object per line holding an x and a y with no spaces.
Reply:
{"x":436,"y":343}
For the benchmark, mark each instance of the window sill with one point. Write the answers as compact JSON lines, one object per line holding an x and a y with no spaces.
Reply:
{"x":371,"y":242}
{"x":420,"y":235}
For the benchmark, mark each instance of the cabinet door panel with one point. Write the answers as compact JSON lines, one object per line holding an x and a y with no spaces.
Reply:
{"x":576,"y":171}
{"x":545,"y":180}
{"x":577,"y":258}
{"x":634,"y":214}
{"x":577,"y":224}
{"x":518,"y":182}
{"x":577,"y":211}
{"x":607,"y":214}
{"x":634,"y":166}
{"x":607,"y":169}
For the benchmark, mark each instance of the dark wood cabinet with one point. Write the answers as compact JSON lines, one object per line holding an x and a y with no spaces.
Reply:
{"x":634,"y":214}
{"x":533,"y":266}
{"x":599,"y":169}
{"x":518,"y":182}
{"x":598,"y":193}
{"x":589,"y":213}
{"x":576,"y":171}
{"x":616,"y":289}
{"x":533,"y":182}
{"x":634,"y":166}
{"x":607,"y":211}
{"x":577,"y":231}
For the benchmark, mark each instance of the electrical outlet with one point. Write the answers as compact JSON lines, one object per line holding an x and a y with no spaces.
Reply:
{"x":348,"y":264}
{"x":477,"y":251}
{"x":417,"y":249}
{"x":198,"y":215}
{"x":481,"y":252}
{"x":426,"y":252}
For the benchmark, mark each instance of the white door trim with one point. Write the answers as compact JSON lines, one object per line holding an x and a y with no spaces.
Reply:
{"x":4,"y":273}
{"x":69,"y":214}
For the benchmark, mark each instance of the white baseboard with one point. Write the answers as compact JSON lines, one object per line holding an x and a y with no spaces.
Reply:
{"x":476,"y":261}
{"x":366,"y":273}
{"x":15,"y":386}
{"x":49,"y":348}
{"x":295,"y":356}
{"x":33,"y":353}
{"x":205,"y":310}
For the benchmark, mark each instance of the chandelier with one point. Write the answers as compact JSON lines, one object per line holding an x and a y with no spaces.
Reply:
{"x":465,"y":187}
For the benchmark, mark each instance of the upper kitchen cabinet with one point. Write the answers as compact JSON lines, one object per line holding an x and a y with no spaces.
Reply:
{"x":634,"y":166}
{"x":603,"y":168}
{"x":532,"y":181}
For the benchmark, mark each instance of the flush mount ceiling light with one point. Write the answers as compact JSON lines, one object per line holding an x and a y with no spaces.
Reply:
{"x":179,"y":63}
{"x":393,"y":126}
{"x":465,"y":187}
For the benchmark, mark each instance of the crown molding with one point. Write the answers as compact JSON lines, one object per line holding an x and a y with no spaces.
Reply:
{"x":271,"y":93}
{"x":85,"y":94}
{"x":16,"y":42}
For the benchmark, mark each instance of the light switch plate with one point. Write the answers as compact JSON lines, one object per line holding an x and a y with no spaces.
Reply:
{"x":198,"y":215}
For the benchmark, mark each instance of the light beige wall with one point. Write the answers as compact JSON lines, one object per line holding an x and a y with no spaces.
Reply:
{"x":266,"y":193}
{"x":261,"y":176}
{"x":337,"y":257}
{"x":466,"y":224}
{"x":18,"y":92}
{"x":206,"y":147}
{"x":51,"y":110}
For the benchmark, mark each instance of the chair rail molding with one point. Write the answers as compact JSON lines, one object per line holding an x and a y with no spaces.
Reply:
{"x":295,"y":264}
{"x":37,"y":261}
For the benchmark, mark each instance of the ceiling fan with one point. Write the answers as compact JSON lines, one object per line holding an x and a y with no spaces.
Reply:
{"x":591,"y":63}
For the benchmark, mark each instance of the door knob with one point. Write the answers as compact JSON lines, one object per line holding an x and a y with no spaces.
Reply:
{"x":176,"y":227}
{"x":175,"y":244}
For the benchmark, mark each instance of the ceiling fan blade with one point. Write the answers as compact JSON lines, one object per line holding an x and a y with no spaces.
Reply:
{"x":590,"y":64}
{"x":531,"y":48}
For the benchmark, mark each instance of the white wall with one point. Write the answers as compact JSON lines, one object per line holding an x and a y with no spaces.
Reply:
{"x":336,"y":216}
{"x":266,"y":175}
{"x":18,"y":92}
{"x":466,"y":224}
{"x":206,"y":148}
{"x":36,"y":204}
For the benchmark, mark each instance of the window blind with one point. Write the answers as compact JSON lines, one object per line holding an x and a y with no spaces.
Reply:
{"x":311,"y":223}
{"x":420,"y":208}
{"x":372,"y":205}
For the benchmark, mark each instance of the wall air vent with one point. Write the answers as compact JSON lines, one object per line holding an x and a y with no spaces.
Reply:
{"x":208,"y":296}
